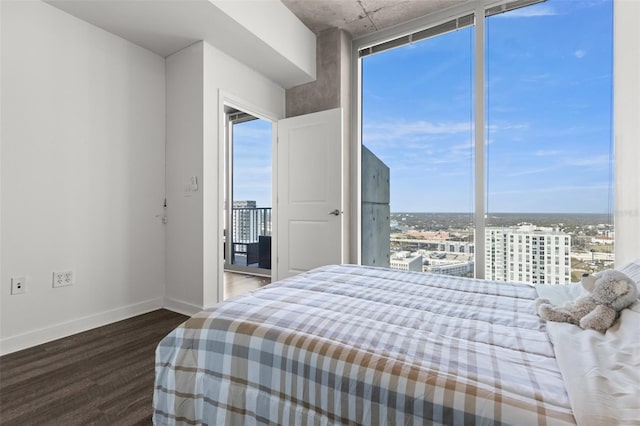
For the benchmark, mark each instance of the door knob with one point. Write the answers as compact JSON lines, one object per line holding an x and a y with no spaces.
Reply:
{"x":336,"y":212}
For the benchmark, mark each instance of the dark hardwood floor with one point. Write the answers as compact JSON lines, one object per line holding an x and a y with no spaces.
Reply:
{"x":102,"y":377}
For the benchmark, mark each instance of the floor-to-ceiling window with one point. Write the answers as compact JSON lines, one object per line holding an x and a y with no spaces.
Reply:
{"x":546,"y":176}
{"x":417,"y":121}
{"x":549,"y":141}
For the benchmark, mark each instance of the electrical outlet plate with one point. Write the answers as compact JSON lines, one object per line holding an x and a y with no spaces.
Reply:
{"x":18,"y":285}
{"x":62,"y":278}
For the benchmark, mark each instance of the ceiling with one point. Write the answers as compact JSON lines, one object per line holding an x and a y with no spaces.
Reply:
{"x":167,"y":26}
{"x":361,"y":17}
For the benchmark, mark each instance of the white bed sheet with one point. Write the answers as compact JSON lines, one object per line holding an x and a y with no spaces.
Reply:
{"x":601,"y":370}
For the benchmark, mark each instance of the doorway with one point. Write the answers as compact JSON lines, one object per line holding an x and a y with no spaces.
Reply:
{"x":247,"y":200}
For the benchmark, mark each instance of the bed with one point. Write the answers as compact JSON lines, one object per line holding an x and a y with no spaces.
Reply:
{"x":347,"y":344}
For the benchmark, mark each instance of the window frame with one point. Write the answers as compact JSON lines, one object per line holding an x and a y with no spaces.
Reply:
{"x":482,"y":9}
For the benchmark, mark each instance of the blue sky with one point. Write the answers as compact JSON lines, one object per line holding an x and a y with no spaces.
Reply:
{"x":549,"y":82}
{"x":252,"y":162}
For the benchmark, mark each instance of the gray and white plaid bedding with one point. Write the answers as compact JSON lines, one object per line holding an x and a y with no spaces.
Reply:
{"x":359,"y":345}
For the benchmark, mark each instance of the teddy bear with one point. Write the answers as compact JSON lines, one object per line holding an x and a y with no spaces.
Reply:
{"x":609,"y":292}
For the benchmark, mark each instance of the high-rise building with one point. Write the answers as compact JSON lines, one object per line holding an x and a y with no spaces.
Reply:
{"x":528,"y":253}
{"x":245,"y":229}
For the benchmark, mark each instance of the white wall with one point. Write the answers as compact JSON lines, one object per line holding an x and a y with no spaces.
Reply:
{"x":278,"y":32}
{"x":196,"y":77}
{"x":627,"y":130}
{"x":83,"y":135}
{"x":185,"y":127}
{"x":248,"y":90}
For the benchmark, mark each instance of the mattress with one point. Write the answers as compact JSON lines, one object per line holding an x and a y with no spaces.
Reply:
{"x":347,"y":344}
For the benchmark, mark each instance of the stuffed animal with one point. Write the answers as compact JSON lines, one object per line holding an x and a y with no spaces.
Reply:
{"x":609,"y":292}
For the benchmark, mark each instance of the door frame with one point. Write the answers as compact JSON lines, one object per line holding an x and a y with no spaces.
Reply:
{"x":226,"y":99}
{"x":229,"y":168}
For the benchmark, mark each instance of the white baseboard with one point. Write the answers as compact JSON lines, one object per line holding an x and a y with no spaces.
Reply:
{"x":57,"y":331}
{"x":181,"y":307}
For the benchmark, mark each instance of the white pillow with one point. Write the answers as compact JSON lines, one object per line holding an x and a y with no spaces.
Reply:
{"x":633,"y":271}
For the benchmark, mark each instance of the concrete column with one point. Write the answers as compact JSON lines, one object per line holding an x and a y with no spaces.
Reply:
{"x":331,"y":87}
{"x":376,"y":224}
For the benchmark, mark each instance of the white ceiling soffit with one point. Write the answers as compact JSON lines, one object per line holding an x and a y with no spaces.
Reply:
{"x":264,"y":35}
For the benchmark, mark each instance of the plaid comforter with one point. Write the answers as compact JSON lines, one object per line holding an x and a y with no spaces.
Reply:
{"x":359,"y":345}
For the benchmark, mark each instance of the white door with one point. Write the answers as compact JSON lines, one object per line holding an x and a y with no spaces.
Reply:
{"x":309,"y":194}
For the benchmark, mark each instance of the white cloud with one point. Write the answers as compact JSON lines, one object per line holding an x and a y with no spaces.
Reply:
{"x":403,"y":129}
{"x":530,"y":12}
{"x":535,"y":78}
{"x":580,"y":53}
{"x":406,"y":132}
{"x":492,"y":128}
{"x":547,"y":153}
{"x":534,"y":171}
{"x":547,"y":189}
{"x":387,"y":137}
{"x":598,"y":160}
{"x":562,"y":162}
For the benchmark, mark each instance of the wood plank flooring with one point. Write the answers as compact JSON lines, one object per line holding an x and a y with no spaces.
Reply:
{"x":103,"y":376}
{"x":236,"y":283}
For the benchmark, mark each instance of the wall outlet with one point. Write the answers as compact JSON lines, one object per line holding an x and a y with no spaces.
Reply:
{"x":62,"y":278}
{"x":18,"y":285}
